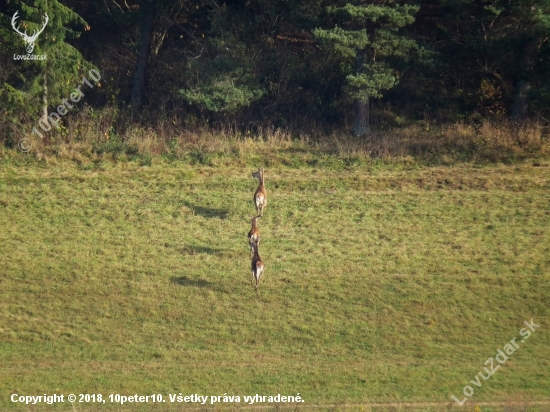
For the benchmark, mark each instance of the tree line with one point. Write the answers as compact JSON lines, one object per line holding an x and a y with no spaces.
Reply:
{"x":280,"y":63}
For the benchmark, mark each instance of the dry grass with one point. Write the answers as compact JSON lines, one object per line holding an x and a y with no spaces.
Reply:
{"x":94,"y":136}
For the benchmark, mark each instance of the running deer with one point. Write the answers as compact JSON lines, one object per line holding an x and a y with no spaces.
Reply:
{"x":257,"y":266}
{"x":254,"y":235}
{"x":260,"y":197}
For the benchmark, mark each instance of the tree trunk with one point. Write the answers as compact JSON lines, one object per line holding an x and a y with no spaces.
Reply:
{"x":361,"y":124}
{"x":138,"y":86}
{"x":520,"y":107}
{"x":45,"y":97}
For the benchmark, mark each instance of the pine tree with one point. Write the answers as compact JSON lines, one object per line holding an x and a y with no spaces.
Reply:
{"x":367,"y":40}
{"x":35,"y":85}
{"x":526,"y":24}
{"x":498,"y":43}
{"x":221,"y":78}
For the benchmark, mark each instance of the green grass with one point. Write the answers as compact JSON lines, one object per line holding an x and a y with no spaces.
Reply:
{"x":381,"y":285}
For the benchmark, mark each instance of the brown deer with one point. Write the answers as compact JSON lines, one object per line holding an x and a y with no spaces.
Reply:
{"x":254,"y":235}
{"x":258,"y":266}
{"x":260,"y":197}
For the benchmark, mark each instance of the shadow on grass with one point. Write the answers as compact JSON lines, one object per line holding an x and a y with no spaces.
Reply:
{"x":196,"y":250}
{"x":198,"y":283}
{"x":207,"y":211}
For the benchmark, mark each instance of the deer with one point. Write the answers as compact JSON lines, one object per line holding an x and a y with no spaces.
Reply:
{"x":258,"y":267}
{"x":260,"y":197}
{"x":254,"y":235}
{"x":29,"y":40}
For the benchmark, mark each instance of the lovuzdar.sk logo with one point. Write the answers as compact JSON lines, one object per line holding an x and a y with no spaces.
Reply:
{"x":29,"y":40}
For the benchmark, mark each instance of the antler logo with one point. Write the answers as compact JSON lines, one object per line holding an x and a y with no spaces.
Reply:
{"x":29,"y":40}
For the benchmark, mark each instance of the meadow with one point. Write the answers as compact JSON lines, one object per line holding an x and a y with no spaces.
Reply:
{"x":385,"y":283}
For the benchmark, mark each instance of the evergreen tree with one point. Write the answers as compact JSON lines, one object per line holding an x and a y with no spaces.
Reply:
{"x":367,"y":40}
{"x":495,"y":54}
{"x":526,"y":25}
{"x":221,"y":77}
{"x":31,"y":86}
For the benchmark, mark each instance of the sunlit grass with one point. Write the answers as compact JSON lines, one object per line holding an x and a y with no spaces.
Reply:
{"x":380,"y":285}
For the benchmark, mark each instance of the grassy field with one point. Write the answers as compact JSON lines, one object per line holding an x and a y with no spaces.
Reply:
{"x":382,"y":284}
